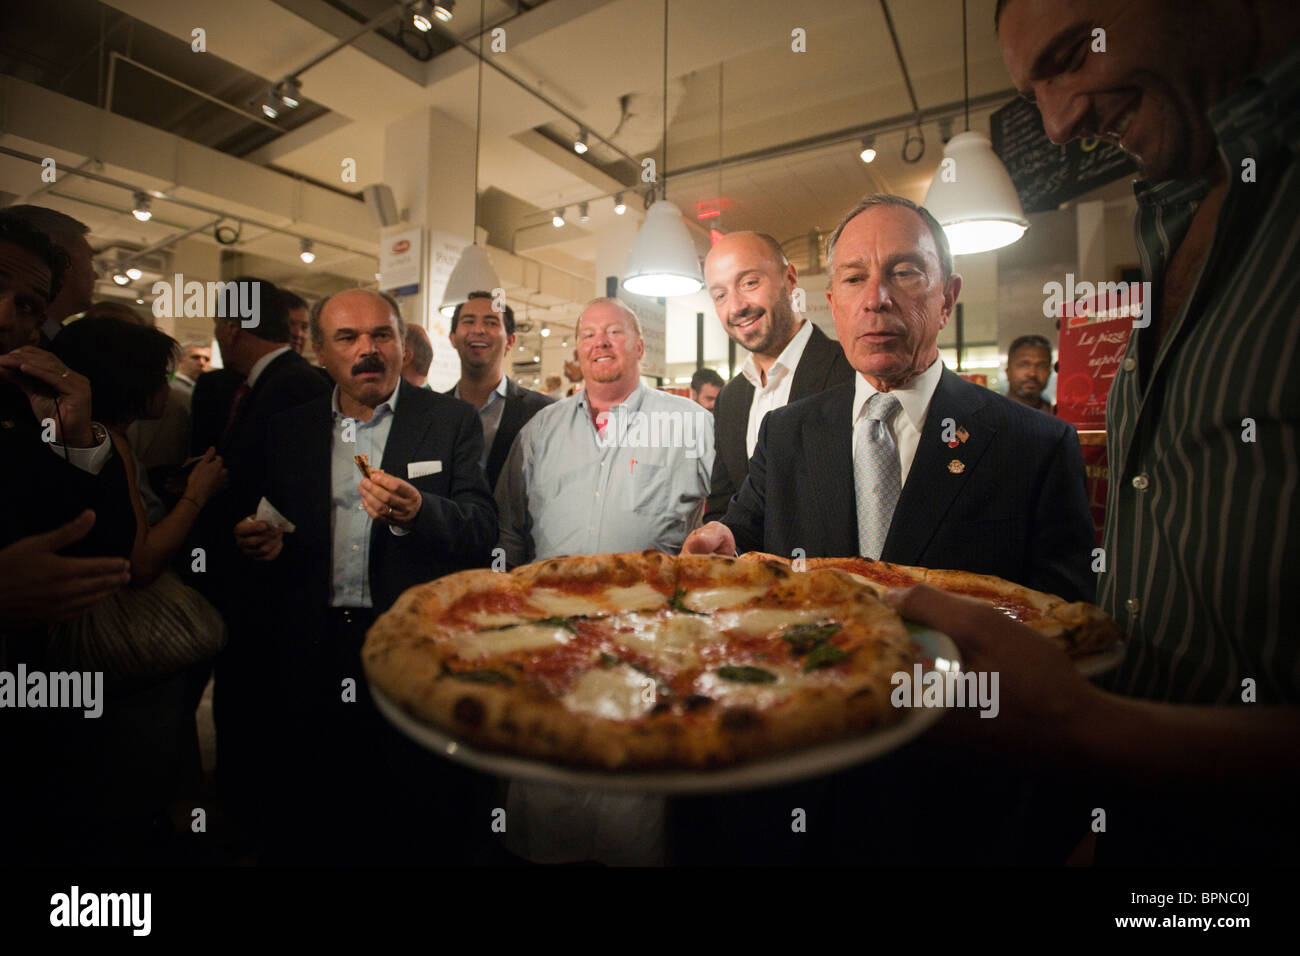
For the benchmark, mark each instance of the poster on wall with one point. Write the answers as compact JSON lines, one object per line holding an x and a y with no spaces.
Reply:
{"x":400,"y":259}
{"x":444,"y":253}
{"x":1091,"y":346}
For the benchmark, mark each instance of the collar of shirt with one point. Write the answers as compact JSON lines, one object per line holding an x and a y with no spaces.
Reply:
{"x":633,"y":400}
{"x":915,"y":398}
{"x":390,"y":403}
{"x":51,"y":328}
{"x":500,"y":390}
{"x":182,"y":377}
{"x":785,"y":363}
{"x":260,"y":365}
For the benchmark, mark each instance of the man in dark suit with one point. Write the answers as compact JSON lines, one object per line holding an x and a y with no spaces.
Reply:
{"x":233,"y":408}
{"x":483,"y":336}
{"x":357,"y":544}
{"x":751,"y":283}
{"x":78,"y":284}
{"x":946,"y":474}
{"x":908,"y":463}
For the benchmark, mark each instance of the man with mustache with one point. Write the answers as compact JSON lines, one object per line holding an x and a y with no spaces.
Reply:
{"x":483,"y":336}
{"x":1195,"y":754}
{"x":359,"y":542}
{"x":751,"y":283}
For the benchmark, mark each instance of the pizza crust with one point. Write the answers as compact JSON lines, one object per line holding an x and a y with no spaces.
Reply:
{"x":1078,"y":628}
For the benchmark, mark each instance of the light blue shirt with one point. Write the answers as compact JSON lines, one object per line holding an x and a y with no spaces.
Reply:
{"x":350,"y":527}
{"x":565,"y":490}
{"x":489,"y":416}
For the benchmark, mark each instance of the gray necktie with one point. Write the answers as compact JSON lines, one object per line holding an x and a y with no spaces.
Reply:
{"x":877,"y":480}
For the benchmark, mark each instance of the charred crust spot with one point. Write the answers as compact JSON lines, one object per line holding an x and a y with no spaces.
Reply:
{"x":861,"y":692}
{"x":660,"y":707}
{"x":740,"y":719}
{"x":508,"y":727}
{"x":696,"y":701}
{"x":469,"y":711}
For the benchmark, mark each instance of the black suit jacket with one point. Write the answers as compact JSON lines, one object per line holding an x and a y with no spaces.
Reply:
{"x":521,"y":405}
{"x":210,"y":407}
{"x":822,"y":365}
{"x":288,"y":381}
{"x":457,"y":525}
{"x":1018,"y":509}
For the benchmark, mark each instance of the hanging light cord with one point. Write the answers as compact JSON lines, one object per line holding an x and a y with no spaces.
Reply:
{"x":478,"y":119}
{"x":663,"y":173}
{"x":965,"y":66}
{"x":720,"y":100}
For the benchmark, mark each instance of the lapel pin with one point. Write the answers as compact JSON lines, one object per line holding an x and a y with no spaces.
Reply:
{"x":956,"y":466}
{"x":962,"y":434}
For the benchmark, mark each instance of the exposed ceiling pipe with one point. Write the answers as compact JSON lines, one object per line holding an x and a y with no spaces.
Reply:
{"x":639,"y":131}
{"x":902,"y":64}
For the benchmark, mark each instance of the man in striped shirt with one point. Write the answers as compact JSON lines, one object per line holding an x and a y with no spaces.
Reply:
{"x":1195,"y":748}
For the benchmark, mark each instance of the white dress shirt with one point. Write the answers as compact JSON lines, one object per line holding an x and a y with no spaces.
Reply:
{"x":775,"y":393}
{"x":907,"y":425}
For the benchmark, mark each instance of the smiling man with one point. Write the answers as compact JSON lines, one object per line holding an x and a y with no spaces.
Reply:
{"x":910,"y":463}
{"x":1196,"y":754}
{"x":483,"y":336}
{"x":751,"y":284}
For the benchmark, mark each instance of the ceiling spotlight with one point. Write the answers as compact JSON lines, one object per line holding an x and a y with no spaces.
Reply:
{"x":141,"y":209}
{"x":139,"y":301}
{"x":290,"y":92}
{"x":620,"y":207}
{"x":558,"y":219}
{"x":546,"y":330}
{"x":305,"y":253}
{"x":134,"y":274}
{"x":537,"y":358}
{"x":580,"y":144}
{"x":121,"y":278}
{"x":422,"y":16}
{"x":444,"y":10}
{"x":868,"y":149}
{"x":564,"y":344}
{"x":271,"y":105}
{"x":582,"y":213}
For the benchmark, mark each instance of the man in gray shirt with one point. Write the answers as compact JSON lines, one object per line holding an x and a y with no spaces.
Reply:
{"x":616,"y":467}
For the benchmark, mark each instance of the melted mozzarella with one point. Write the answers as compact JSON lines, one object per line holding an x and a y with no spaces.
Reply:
{"x":736,"y":693}
{"x":711,"y":599}
{"x":759,"y":621}
{"x":525,"y":637}
{"x":495,"y":619}
{"x":618,"y":693}
{"x":553,"y":603}
{"x":673,"y":640}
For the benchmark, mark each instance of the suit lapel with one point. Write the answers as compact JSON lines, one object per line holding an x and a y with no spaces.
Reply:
{"x":408,"y":428}
{"x":511,"y":421}
{"x":931,"y":487}
{"x":810,"y":373}
{"x":830,"y":474}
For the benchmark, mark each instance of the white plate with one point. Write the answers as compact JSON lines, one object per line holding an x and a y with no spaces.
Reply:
{"x":1103,"y":662}
{"x":786,"y":768}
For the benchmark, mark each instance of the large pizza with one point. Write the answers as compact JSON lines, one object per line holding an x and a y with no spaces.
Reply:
{"x":641,"y":661}
{"x":1076,"y":627}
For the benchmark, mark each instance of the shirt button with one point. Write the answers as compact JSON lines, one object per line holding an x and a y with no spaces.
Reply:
{"x":1129,"y":364}
{"x":361,"y":507}
{"x":356,"y":547}
{"x":1140,"y":482}
{"x":1132,"y":605}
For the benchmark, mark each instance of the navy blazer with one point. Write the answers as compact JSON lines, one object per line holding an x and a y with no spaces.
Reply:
{"x":1018,"y":508}
{"x":455,"y":530}
{"x":822,"y":365}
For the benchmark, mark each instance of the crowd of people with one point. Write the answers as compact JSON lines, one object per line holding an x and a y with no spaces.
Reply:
{"x":166,"y":523}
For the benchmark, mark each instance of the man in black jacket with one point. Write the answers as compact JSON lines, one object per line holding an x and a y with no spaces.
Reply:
{"x":272,"y":378}
{"x":357,"y":544}
{"x":483,"y":336}
{"x":751,"y":283}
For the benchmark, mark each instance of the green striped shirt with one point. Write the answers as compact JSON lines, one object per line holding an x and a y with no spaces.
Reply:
{"x":1202,"y":559}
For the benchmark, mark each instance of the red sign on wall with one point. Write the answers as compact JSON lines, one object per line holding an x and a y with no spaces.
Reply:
{"x":1090,"y":350}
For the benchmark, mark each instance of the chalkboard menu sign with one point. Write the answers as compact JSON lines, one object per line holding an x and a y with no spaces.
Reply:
{"x":1046,"y":175}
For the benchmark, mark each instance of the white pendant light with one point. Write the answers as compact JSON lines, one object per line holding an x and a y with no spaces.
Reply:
{"x":662,"y":261}
{"x":973,"y":196}
{"x":979,"y":209}
{"x":473,"y":273}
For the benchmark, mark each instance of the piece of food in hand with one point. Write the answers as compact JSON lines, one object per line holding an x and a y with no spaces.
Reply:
{"x":641,"y":661}
{"x":363,"y":465}
{"x":1078,"y":628}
